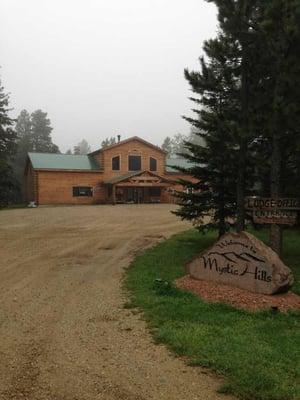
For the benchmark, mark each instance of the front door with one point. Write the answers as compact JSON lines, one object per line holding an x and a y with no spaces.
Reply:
{"x":139,"y":195}
{"x":134,"y":195}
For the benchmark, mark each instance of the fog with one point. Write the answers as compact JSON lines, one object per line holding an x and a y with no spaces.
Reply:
{"x":102,"y":68}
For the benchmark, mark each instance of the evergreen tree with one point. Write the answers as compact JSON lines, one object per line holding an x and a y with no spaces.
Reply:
{"x":69,"y":151}
{"x":82,"y":147}
{"x":24,"y":144}
{"x":175,"y":145}
{"x":108,"y":142}
{"x":238,"y":20}
{"x":178,"y":144}
{"x":7,"y":151}
{"x":41,"y":133}
{"x":167,"y":145}
{"x":33,"y":135}
{"x":214,"y":158}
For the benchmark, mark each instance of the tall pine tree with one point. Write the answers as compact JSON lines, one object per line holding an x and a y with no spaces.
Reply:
{"x":7,"y":150}
{"x":24,"y":144}
{"x":41,"y":133}
{"x":214,"y":163}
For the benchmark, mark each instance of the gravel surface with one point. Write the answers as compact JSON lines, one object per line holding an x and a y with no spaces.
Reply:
{"x":64,"y":334}
{"x":218,"y":293}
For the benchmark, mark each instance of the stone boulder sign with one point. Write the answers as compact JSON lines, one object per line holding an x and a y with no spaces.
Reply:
{"x":241,"y":260}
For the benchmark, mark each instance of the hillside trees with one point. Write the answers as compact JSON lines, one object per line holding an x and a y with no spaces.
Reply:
{"x":108,"y":141}
{"x":33,"y":135}
{"x":7,"y":149}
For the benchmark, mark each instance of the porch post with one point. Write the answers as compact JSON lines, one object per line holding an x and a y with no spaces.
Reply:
{"x":113,"y":194}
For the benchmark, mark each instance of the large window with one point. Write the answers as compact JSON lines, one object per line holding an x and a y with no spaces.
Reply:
{"x":153,"y":164}
{"x":82,"y":191}
{"x":134,"y":163}
{"x":115,"y":163}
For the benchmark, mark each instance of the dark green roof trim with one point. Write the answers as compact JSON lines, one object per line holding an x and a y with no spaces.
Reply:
{"x":66,"y":162}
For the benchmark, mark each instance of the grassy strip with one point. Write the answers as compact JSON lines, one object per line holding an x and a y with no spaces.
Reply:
{"x":13,"y":206}
{"x":257,"y":352}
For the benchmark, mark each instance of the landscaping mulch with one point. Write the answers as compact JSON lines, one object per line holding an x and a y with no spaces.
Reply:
{"x":220,"y":293}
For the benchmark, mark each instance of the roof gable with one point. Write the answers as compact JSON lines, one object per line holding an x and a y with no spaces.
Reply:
{"x":68,"y":162}
{"x":141,"y":174}
{"x":131,"y":139}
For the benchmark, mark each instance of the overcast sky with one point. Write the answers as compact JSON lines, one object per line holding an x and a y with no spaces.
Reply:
{"x":103,"y":67}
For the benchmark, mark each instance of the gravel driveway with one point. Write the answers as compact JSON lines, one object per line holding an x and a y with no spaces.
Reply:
{"x":64,"y":334}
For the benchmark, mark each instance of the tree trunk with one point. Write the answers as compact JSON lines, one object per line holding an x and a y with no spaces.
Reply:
{"x":244,"y":134}
{"x":241,"y":213}
{"x":276,"y":230}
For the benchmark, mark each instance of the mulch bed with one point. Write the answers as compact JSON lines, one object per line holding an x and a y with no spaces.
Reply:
{"x":239,"y":298}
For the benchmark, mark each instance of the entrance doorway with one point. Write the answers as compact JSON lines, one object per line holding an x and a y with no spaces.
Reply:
{"x":138,"y":195}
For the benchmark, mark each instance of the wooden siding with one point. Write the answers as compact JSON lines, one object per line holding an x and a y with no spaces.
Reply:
{"x":56,"y":187}
{"x":133,"y":147}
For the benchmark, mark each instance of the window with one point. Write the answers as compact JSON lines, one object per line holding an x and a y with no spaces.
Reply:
{"x":134,"y":163}
{"x":155,"y":191}
{"x":115,"y":163}
{"x":153,"y":164}
{"x":82,"y":191}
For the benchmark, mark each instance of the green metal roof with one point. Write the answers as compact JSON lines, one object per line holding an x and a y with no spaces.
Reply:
{"x":177,"y":162}
{"x":63,"y":162}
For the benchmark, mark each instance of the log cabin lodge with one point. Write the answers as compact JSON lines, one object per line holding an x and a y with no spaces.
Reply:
{"x":129,"y":171}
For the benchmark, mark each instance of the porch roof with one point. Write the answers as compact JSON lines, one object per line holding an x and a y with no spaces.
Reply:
{"x":121,"y":178}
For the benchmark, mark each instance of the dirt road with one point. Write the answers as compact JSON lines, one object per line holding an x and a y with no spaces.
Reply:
{"x":64,"y":334}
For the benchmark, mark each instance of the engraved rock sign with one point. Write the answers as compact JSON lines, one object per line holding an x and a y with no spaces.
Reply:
{"x":241,"y":260}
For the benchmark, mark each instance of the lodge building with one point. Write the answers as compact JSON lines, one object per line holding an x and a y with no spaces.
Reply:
{"x":130,"y":171}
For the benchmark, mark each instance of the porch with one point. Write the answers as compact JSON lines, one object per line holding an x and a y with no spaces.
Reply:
{"x":139,"y":187}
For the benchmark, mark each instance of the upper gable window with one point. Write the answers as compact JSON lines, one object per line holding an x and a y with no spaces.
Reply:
{"x":115,"y":163}
{"x":153,"y":164}
{"x":134,"y":163}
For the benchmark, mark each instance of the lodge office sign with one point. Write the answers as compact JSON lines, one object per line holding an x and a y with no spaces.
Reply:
{"x":269,"y":203}
{"x":279,"y":217}
{"x":241,"y":260}
{"x":281,"y":211}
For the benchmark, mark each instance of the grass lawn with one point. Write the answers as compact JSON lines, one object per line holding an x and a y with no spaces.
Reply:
{"x":258,"y":353}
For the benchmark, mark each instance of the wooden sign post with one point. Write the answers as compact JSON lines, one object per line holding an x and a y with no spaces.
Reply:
{"x":276,"y":212}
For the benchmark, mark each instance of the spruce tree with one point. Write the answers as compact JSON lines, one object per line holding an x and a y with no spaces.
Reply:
{"x":82,"y":148}
{"x":7,"y":150}
{"x":24,"y":144}
{"x":167,"y":145}
{"x":238,"y":20}
{"x":108,"y":141}
{"x":41,"y":133}
{"x":214,"y":162}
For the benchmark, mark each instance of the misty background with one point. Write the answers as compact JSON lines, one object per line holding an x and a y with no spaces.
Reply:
{"x":102,"y":68}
